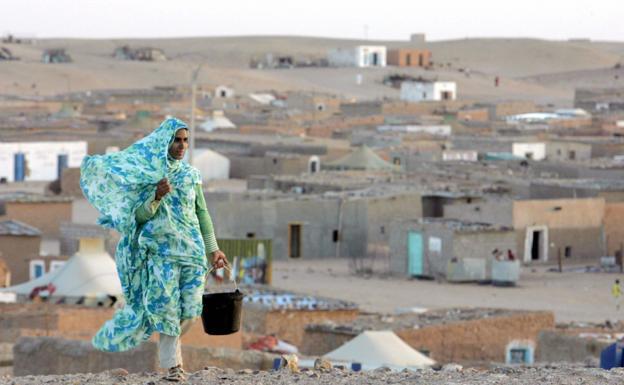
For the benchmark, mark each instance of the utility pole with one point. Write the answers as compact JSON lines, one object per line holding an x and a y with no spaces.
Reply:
{"x":193,"y":105}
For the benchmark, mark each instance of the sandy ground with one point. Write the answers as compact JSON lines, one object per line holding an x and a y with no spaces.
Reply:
{"x":582,"y":297}
{"x":551,"y":375}
{"x":518,"y":62}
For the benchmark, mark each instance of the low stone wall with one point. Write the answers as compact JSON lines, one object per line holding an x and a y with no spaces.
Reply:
{"x":479,"y":340}
{"x":81,"y":322}
{"x":555,"y":346}
{"x":48,"y":355}
{"x":289,"y":325}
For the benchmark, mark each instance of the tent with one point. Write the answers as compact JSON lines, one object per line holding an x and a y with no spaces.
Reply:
{"x":374,"y":349}
{"x":361,"y":159}
{"x":91,"y":273}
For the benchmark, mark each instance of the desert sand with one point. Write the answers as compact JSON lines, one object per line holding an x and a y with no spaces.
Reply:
{"x":522,"y":65}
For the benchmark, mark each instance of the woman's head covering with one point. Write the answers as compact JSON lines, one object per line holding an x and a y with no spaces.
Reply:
{"x":117,"y":183}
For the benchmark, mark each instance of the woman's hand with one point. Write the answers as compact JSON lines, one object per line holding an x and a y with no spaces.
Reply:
{"x":219,"y":260}
{"x":162,"y":188}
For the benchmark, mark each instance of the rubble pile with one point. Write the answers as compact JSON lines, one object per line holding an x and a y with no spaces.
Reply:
{"x":546,"y":375}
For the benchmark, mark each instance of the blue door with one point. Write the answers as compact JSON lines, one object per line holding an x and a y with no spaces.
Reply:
{"x":414,"y":254}
{"x":61,"y":164}
{"x":19,"y":167}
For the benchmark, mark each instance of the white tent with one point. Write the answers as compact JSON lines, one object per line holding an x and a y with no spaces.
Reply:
{"x":374,"y":349}
{"x":211,"y":164}
{"x":90,"y":273}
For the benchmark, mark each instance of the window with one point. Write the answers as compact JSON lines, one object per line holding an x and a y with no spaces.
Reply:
{"x":37,"y":268}
{"x":294,"y":241}
{"x":572,"y":155}
{"x":335,"y":236}
{"x":568,"y":251}
{"x":56,"y":265}
{"x":382,"y":229}
{"x":251,"y":235}
{"x":396,"y":161}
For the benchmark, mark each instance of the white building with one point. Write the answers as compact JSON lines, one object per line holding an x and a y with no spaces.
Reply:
{"x":460,"y":156}
{"x":358,"y":56}
{"x":534,"y":151}
{"x":421,"y":91}
{"x":211,"y":164}
{"x":437,"y":130}
{"x":39,"y":161}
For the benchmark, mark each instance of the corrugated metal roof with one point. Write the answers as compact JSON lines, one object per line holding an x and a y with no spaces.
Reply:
{"x":13,"y":227}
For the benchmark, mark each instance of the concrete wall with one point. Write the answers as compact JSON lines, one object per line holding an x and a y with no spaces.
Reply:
{"x":554,"y":346}
{"x":576,"y":224}
{"x":535,"y":151}
{"x":289,"y":325}
{"x":41,"y":158}
{"x":80,"y":322}
{"x":361,"y":226}
{"x":434,"y":262}
{"x":45,"y":216}
{"x":244,"y":166}
{"x":481,"y":340}
{"x":614,"y":231}
{"x":481,"y":245}
{"x":17,"y":252}
{"x":47,"y":355}
{"x":565,"y":151}
{"x":405,"y":57}
{"x":477,"y":340}
{"x":494,"y":212}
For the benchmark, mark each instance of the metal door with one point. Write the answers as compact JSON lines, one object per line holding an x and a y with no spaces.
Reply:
{"x":414,"y":254}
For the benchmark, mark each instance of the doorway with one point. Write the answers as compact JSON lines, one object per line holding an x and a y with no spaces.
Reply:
{"x":536,"y":244}
{"x":294,"y":240}
{"x":375,"y":59}
{"x":447,"y":95}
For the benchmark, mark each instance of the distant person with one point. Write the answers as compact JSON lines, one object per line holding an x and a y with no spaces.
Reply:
{"x":510,"y":255}
{"x":154,"y":199}
{"x":616,"y":292}
{"x":496,"y":81}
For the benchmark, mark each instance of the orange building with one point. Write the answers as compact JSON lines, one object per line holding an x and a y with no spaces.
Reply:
{"x":408,"y":57}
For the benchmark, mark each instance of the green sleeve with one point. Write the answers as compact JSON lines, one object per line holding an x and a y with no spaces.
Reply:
{"x":146,"y":211}
{"x":205,"y":222}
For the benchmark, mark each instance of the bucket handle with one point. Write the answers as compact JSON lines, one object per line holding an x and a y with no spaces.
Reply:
{"x":229,"y":269}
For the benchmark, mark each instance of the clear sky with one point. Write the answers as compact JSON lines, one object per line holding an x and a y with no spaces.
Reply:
{"x":381,"y":19}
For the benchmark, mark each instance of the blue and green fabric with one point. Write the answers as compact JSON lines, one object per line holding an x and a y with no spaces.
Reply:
{"x":161,"y":256}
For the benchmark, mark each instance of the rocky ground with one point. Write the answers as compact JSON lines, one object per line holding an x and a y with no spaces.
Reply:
{"x":450,"y":375}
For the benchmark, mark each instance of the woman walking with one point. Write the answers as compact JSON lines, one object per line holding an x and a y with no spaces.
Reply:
{"x":155,"y":201}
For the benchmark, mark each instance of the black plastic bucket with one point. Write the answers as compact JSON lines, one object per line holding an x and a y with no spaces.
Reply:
{"x":221,"y":313}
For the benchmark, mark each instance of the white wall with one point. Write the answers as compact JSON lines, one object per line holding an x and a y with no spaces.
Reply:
{"x":41,"y":158}
{"x":440,"y":87}
{"x":440,"y":130}
{"x":427,"y":91}
{"x":455,"y":155}
{"x":359,"y":56}
{"x":537,"y":150}
{"x":343,"y":57}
